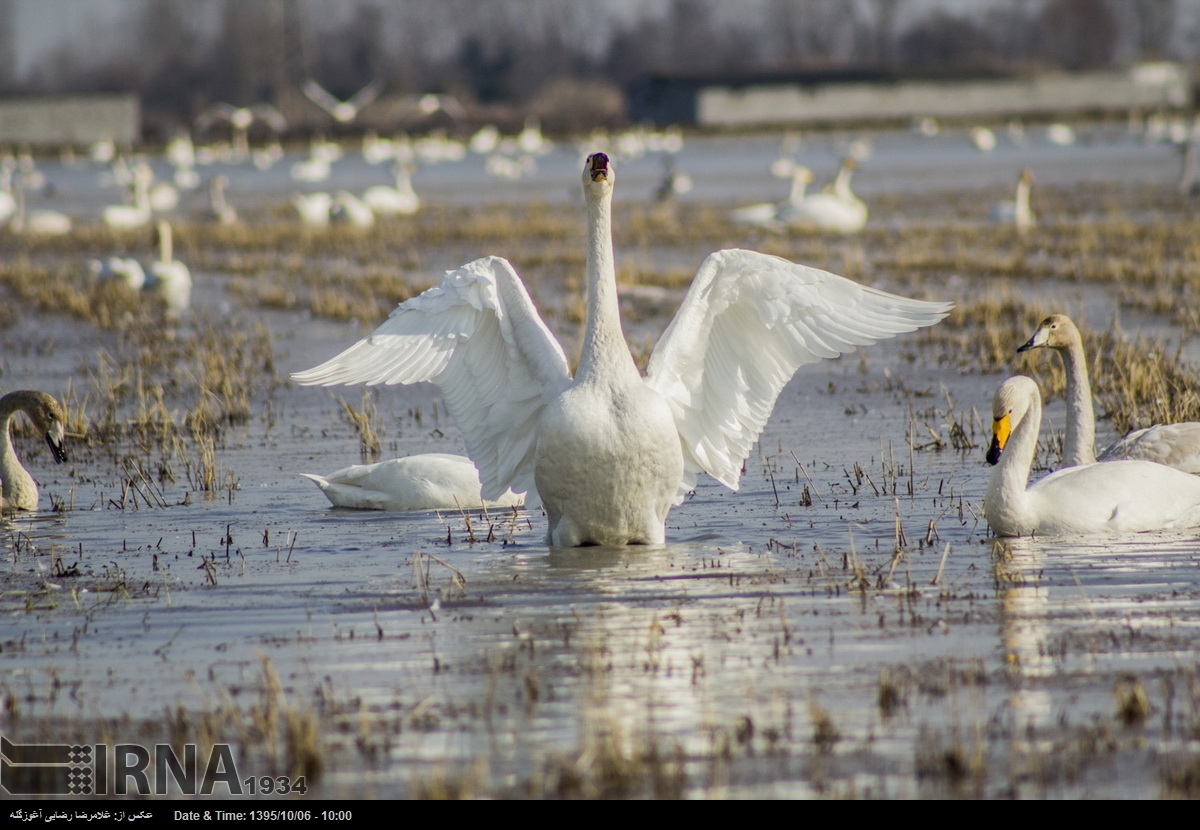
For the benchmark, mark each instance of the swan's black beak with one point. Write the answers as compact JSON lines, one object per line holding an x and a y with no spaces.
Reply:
{"x":54,"y":440}
{"x":1038,"y":340}
{"x":598,"y":167}
{"x":1001,"y":430}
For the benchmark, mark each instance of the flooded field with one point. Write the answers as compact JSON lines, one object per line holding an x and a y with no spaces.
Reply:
{"x":843,"y":626}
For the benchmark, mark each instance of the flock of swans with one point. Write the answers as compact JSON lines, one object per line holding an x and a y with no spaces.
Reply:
{"x":606,"y":451}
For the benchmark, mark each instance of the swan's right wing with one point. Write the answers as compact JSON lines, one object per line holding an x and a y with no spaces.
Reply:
{"x":747,"y":323}
{"x":316,"y":93}
{"x":478,"y":337}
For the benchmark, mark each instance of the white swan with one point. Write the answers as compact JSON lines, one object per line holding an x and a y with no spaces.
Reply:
{"x":313,"y":208}
{"x":1017,"y":212}
{"x":1175,"y":445}
{"x":343,"y":112}
{"x":8,"y":202}
{"x":838,"y":210}
{"x":168,"y":277}
{"x":1116,"y":497}
{"x":351,"y":210}
{"x":124,"y":217}
{"x":240,"y":119}
{"x":433,"y":481}
{"x":43,"y":222}
{"x":401,"y":200}
{"x":125,"y":270}
{"x":18,"y":490}
{"x":607,"y":452}
{"x":768,"y":214}
{"x":218,"y":208}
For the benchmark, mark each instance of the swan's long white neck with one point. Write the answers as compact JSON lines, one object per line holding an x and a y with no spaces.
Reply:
{"x":605,"y":352}
{"x":1006,"y":500}
{"x":16,"y":483}
{"x":165,"y":249}
{"x":1079,"y":444}
{"x":1022,"y":213}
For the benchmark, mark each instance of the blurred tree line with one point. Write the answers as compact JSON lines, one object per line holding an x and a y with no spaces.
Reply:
{"x":569,"y":61}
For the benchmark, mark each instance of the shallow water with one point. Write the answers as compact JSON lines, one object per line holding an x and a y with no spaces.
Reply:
{"x":842,"y":625}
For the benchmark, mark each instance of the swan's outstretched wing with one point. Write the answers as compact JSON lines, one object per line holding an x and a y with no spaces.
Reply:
{"x":747,"y":323}
{"x":477,"y":335}
{"x":316,"y":93}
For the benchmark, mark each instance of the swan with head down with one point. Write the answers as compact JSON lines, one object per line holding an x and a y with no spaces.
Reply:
{"x":606,"y":451}
{"x":18,"y":490}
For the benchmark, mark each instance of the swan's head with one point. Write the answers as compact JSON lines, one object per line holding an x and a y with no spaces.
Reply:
{"x":597,"y":170}
{"x":1055,"y":332}
{"x":47,"y":417}
{"x":1009,"y":407}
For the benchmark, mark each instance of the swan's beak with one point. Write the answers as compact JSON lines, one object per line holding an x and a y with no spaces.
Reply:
{"x":598,"y":167}
{"x":1037,"y":341}
{"x":1001,"y":430}
{"x":54,"y":438}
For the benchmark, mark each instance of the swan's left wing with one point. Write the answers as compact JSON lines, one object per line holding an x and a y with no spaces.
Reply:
{"x":478,"y":337}
{"x":747,"y":323}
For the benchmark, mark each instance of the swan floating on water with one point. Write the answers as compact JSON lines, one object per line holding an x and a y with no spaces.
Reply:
{"x":1175,"y":445}
{"x":837,"y":210}
{"x":401,"y":200}
{"x":1114,"y":497}
{"x":18,"y":490}
{"x":1017,"y":212}
{"x":608,"y":452}
{"x":167,"y":276}
{"x":433,"y":481}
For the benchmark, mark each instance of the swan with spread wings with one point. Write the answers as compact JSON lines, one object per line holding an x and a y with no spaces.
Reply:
{"x":606,"y":451}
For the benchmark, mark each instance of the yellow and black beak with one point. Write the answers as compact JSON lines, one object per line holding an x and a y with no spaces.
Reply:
{"x":598,"y":167}
{"x":1001,"y":430}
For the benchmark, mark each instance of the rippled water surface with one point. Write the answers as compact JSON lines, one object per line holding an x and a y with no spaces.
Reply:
{"x":843,"y":625}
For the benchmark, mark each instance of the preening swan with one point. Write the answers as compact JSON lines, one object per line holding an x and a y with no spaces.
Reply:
{"x":1116,"y":497}
{"x":1176,"y":445}
{"x":433,"y":481}
{"x":126,"y":270}
{"x":18,"y":490}
{"x":607,"y":452}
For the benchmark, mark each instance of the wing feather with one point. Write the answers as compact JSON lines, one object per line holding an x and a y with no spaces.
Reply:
{"x":748,"y":322}
{"x":479,"y":338}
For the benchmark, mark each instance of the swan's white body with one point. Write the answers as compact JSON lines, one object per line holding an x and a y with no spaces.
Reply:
{"x":770,"y":214}
{"x":608,"y":452}
{"x":1114,"y":497}
{"x":169,"y":277}
{"x":1017,"y":212}
{"x":1175,"y":445}
{"x":838,"y":211}
{"x":125,"y":217}
{"x":313,"y":208}
{"x":401,"y":200}
{"x":352,"y":210}
{"x":311,"y":169}
{"x":433,"y":481}
{"x":18,"y":490}
{"x":43,"y":222}
{"x":219,"y":208}
{"x":126,"y":270}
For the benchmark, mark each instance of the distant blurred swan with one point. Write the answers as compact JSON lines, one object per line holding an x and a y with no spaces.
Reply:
{"x":1175,"y":445}
{"x":343,"y":112}
{"x":1017,"y":212}
{"x":18,"y":490}
{"x":767,"y":214}
{"x":607,"y":452}
{"x":1115,"y":497}
{"x":167,"y":276}
{"x":434,"y":481}
{"x":400,"y":200}
{"x":125,"y":270}
{"x":838,"y":210}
